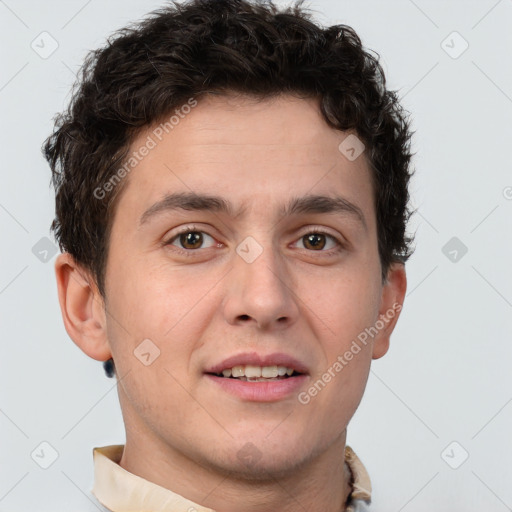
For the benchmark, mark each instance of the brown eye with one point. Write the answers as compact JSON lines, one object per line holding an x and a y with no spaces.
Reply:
{"x":314,"y":241}
{"x":190,"y":240}
{"x":319,"y":242}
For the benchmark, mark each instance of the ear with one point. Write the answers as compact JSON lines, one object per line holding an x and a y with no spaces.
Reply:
{"x":392,"y":300}
{"x":82,"y":307}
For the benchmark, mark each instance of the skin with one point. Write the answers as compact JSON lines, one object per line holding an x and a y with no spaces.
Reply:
{"x":182,"y":431}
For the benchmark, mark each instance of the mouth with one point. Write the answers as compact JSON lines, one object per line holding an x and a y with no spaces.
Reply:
{"x":253,"y":373}
{"x":255,"y":378}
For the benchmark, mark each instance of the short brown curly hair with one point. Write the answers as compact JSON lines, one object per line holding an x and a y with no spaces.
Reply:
{"x":186,"y":50}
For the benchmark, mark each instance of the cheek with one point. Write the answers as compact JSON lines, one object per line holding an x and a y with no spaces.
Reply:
{"x":153,"y":302}
{"x":340,"y":305}
{"x":159,"y":312}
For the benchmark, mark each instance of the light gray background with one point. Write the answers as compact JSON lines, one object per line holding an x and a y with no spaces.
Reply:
{"x":447,"y":375}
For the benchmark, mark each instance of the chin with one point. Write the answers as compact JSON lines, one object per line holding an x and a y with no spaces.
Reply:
{"x":265,"y":467}
{"x":260,"y":460}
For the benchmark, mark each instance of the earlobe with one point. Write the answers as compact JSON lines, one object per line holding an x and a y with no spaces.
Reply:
{"x":392,"y":300}
{"x":82,"y":308}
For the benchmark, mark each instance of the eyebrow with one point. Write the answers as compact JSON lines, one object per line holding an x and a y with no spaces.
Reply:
{"x":299,"y":205}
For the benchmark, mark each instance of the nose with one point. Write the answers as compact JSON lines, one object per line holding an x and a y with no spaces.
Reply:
{"x":260,"y":292}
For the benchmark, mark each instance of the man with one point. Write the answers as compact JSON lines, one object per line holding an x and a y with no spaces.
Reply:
{"x":231,"y":205}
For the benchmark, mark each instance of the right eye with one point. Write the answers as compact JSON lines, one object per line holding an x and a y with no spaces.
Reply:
{"x":191,"y":240}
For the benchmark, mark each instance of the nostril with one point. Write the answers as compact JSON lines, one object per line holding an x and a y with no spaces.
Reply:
{"x":244,"y":317}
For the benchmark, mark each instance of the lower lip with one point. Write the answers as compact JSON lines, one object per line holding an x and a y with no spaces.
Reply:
{"x":271,"y":391}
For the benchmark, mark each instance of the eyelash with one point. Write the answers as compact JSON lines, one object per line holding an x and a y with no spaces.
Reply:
{"x":314,"y":230}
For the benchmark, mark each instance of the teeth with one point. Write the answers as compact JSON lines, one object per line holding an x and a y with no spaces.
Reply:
{"x":252,"y":371}
{"x":257,"y":372}
{"x":269,"y":372}
{"x":238,"y":371}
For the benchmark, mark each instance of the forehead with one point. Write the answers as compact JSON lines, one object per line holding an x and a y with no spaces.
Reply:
{"x":248,"y":150}
{"x":280,"y":124}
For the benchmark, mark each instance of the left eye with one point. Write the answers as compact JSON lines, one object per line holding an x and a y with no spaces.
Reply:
{"x":318,"y":241}
{"x":191,"y":240}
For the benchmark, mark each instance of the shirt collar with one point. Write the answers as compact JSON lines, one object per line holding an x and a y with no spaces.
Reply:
{"x":121,"y":491}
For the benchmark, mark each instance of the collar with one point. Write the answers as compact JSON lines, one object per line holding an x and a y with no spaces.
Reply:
{"x":121,"y":491}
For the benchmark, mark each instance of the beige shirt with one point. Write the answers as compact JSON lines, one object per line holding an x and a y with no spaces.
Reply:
{"x":121,"y":491}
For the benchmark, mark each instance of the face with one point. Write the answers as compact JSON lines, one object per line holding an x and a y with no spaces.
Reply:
{"x":239,"y":269}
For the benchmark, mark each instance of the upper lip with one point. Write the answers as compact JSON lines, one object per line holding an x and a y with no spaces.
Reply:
{"x":255,"y":359}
